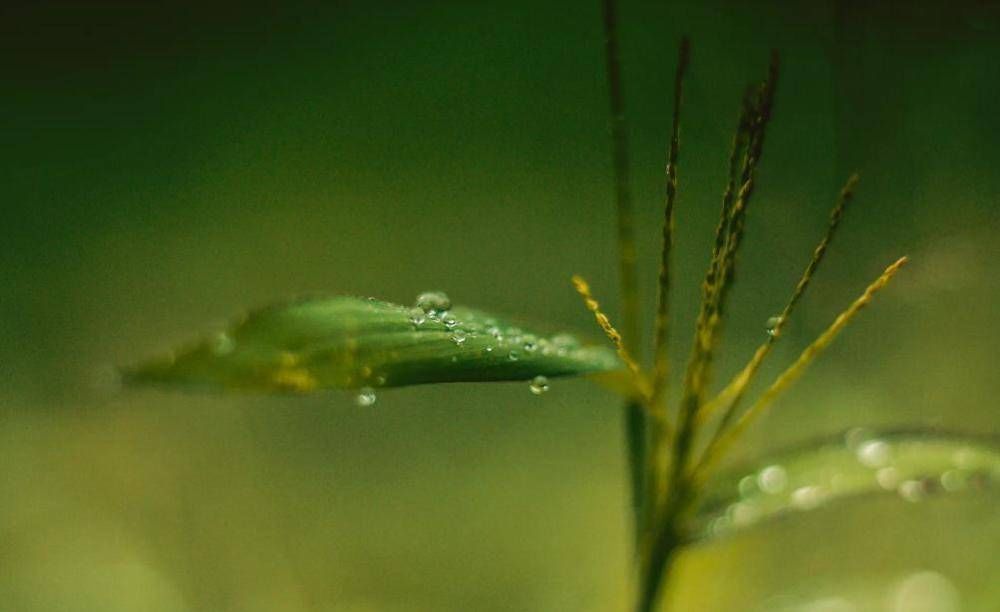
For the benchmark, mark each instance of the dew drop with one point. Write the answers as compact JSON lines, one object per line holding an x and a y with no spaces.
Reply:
{"x":539,"y":385}
{"x":807,"y":498}
{"x":720,"y":524}
{"x":772,"y":479}
{"x":747,"y":486}
{"x":530,"y":344}
{"x":489,"y":349}
{"x":953,"y":480}
{"x":366,"y":397}
{"x":874,"y":453}
{"x":912,"y":490}
{"x":458,"y":337}
{"x":433,"y":301}
{"x":772,"y":326}
{"x":513,"y":356}
{"x":449,"y":320}
{"x":743,"y":513}
{"x":417,"y":316}
{"x":887,"y":478}
{"x":926,"y":591}
{"x":494,"y":331}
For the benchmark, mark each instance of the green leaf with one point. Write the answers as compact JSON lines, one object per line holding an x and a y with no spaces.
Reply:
{"x":914,"y":465}
{"x":350,"y":343}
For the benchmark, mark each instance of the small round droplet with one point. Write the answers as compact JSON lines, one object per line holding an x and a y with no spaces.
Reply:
{"x":458,"y":337}
{"x":513,"y":356}
{"x":530,"y":344}
{"x":539,"y":385}
{"x":743,"y":513}
{"x":489,"y":349}
{"x":773,"y":479}
{"x":449,"y":320}
{"x":874,"y":453}
{"x":887,"y":478}
{"x":747,"y":486}
{"x":433,"y":301}
{"x":926,"y":591}
{"x":773,"y":326}
{"x":807,"y":498}
{"x":417,"y":316}
{"x":953,"y":480}
{"x":720,"y":524}
{"x":366,"y":397}
{"x":912,"y":490}
{"x":494,"y":331}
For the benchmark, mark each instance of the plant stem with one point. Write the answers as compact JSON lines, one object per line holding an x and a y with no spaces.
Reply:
{"x":663,"y":545}
{"x":635,"y":420}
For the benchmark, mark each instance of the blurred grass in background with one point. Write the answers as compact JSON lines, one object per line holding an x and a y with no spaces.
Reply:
{"x":165,"y":168}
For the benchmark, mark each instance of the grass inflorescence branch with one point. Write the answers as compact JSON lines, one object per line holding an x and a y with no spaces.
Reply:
{"x":667,"y":473}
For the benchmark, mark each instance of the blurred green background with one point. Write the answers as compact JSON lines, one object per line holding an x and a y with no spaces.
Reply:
{"x":165,"y":166}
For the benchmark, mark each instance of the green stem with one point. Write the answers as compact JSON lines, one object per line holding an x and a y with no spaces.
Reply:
{"x":663,"y":547}
{"x":636,"y":437}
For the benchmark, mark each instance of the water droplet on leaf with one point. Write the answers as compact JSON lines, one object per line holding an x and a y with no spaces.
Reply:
{"x":773,"y":326}
{"x":433,"y":301}
{"x":539,"y":385}
{"x":417,"y":316}
{"x":366,"y":397}
{"x":874,"y":453}
{"x":772,"y":479}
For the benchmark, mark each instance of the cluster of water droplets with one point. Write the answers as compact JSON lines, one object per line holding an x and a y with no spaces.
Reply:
{"x":922,"y":590}
{"x":893,"y":463}
{"x":432,"y":310}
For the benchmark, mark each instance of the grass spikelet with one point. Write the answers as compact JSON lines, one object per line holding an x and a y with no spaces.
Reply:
{"x":730,"y":397}
{"x":583,"y":288}
{"x":720,"y":275}
{"x":661,"y":365}
{"x":805,"y":359}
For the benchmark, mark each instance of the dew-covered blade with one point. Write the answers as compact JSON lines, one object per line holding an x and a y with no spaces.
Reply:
{"x":916,"y":465}
{"x":350,"y":343}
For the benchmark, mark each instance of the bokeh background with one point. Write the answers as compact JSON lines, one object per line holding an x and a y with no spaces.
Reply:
{"x":165,"y":166}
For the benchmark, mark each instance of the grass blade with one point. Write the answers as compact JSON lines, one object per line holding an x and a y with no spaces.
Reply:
{"x":912,"y":464}
{"x":350,"y":343}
